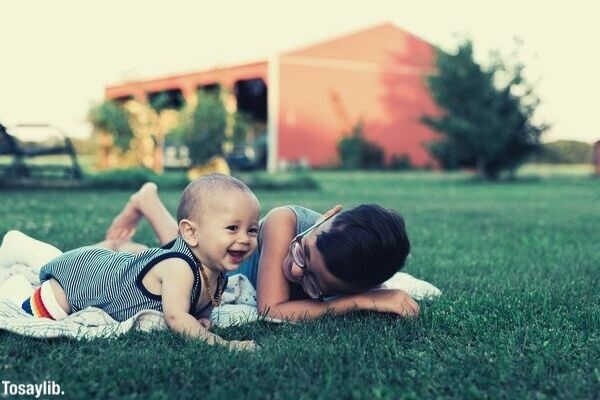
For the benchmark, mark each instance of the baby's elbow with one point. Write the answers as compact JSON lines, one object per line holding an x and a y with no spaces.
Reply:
{"x":265,"y":309}
{"x":173,"y":319}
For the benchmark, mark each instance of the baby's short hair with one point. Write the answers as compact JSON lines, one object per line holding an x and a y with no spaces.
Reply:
{"x":196,"y":192}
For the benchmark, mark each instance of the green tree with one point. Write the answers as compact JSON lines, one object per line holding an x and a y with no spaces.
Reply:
{"x":167,"y":99}
{"x":241,"y":124}
{"x":487,"y":113}
{"x":112,"y":118}
{"x":203,"y":130}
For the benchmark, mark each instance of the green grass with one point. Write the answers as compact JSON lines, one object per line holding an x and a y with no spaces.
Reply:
{"x":518,"y":264}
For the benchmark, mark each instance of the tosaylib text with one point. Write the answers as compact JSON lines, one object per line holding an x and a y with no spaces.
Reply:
{"x":46,"y":388}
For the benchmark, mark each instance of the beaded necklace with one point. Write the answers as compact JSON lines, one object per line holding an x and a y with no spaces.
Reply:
{"x":215,"y":297}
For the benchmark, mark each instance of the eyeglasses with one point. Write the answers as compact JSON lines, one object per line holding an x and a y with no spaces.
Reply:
{"x":309,"y":281}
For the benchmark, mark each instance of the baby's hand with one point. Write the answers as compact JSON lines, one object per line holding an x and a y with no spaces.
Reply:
{"x":243,"y":345}
{"x":207,"y":323}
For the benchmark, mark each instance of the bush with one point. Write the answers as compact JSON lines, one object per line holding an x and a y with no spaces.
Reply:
{"x":132,"y":179}
{"x":356,"y":152}
{"x":565,"y":152}
{"x":400,"y":162}
{"x":293,"y":181}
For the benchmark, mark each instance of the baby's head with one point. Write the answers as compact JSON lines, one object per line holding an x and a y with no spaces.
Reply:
{"x":218,"y":219}
{"x":364,"y":246}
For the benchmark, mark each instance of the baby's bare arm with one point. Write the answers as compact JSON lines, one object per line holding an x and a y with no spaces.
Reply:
{"x":177,"y":281}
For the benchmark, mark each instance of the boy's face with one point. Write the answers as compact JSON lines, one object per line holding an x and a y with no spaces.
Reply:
{"x":315,"y":269}
{"x":226,"y":229}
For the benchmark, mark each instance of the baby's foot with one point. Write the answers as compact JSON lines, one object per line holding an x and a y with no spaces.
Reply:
{"x":124,"y":225}
{"x":148,"y":192}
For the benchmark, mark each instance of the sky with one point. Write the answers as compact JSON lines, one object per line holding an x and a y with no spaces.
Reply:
{"x":57,"y":57}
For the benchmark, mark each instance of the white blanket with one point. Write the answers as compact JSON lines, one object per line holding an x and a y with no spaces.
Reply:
{"x":239,"y":306}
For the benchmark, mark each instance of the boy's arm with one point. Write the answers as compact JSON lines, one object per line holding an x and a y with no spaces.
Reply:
{"x":177,"y":282}
{"x":384,"y":300}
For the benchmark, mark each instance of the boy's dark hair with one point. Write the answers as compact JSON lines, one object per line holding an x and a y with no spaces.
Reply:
{"x":365,"y":245}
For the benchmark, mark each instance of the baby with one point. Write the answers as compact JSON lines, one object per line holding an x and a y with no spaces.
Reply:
{"x":218,"y":227}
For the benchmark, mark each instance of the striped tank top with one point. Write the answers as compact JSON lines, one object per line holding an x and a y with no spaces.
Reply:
{"x":112,"y":281}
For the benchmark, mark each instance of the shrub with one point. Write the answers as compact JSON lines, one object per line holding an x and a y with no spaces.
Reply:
{"x":356,"y":152}
{"x":290,"y":181}
{"x":133,"y":178}
{"x":400,"y":162}
{"x":565,"y":152}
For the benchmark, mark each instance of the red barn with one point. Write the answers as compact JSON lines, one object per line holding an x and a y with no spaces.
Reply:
{"x":316,"y":94}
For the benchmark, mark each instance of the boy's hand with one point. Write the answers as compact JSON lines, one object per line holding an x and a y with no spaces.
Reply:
{"x":391,"y":300}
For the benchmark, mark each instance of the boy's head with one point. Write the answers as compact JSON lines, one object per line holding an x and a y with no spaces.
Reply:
{"x":364,"y":246}
{"x":218,"y":219}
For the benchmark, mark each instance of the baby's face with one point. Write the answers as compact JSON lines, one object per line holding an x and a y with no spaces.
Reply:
{"x":227,"y":230}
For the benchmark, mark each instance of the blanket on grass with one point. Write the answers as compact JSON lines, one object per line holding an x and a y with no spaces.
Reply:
{"x":238,"y":307}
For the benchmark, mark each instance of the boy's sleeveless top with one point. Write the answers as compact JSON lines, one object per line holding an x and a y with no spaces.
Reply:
{"x":112,"y":281}
{"x":305,"y":218}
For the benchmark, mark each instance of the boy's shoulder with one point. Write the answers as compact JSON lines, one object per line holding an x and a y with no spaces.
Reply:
{"x":280,"y":216}
{"x":282,"y":213}
{"x":278,"y":224}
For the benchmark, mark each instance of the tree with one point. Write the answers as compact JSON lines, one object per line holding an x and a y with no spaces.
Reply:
{"x":109,"y":117}
{"x":203,"y":129}
{"x":241,"y":124}
{"x":487,"y":113}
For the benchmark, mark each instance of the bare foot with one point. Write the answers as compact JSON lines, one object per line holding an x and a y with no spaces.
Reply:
{"x":148,"y":192}
{"x":124,"y":225}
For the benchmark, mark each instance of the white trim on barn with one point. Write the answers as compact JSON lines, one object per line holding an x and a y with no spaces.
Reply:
{"x":272,"y":112}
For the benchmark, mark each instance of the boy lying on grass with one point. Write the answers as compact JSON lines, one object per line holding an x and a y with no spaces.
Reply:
{"x":217,"y":229}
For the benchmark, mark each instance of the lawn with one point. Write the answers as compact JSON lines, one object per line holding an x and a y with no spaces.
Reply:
{"x":519,"y":265}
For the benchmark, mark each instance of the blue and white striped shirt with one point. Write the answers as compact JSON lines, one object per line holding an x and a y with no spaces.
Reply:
{"x":112,"y":281}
